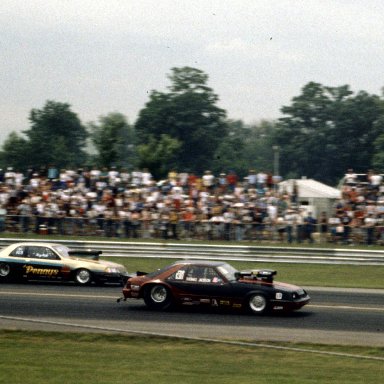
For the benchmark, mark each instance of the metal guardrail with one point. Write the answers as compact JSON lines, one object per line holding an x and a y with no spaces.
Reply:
{"x":223,"y":252}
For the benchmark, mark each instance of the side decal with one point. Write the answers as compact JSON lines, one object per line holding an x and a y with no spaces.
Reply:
{"x":28,"y":269}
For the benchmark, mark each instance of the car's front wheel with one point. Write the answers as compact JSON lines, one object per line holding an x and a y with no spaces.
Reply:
{"x":257,"y":304}
{"x":83,"y":277}
{"x":5,"y":271}
{"x":157,"y":297}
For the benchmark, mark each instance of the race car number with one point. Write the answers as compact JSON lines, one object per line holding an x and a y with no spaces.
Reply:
{"x":180,"y":275}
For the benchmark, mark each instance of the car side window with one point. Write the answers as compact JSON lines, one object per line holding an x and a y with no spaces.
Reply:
{"x":18,"y":251}
{"x":194,"y":273}
{"x":210,"y":275}
{"x":202,"y":274}
{"x":41,"y":253}
{"x":197,"y":274}
{"x":179,"y":275}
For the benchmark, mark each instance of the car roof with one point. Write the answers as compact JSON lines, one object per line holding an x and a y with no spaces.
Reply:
{"x":210,"y":263}
{"x":35,"y":244}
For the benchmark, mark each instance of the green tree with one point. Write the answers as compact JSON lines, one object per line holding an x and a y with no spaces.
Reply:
{"x":56,"y":136}
{"x":114,"y":141}
{"x":15,"y":152}
{"x":326,"y":131}
{"x":159,"y":155}
{"x":187,"y":113}
{"x":245,"y":147}
{"x":378,"y":146}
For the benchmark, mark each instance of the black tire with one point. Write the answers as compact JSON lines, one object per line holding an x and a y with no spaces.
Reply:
{"x":257,"y":304}
{"x":5,"y":272}
{"x":83,"y":276}
{"x":157,"y":297}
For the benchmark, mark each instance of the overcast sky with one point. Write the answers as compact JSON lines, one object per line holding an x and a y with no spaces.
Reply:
{"x":105,"y":56}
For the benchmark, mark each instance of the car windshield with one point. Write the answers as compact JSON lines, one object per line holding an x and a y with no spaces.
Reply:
{"x":228,"y":271}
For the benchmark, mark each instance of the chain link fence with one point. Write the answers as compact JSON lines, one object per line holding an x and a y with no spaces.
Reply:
{"x":193,"y":230}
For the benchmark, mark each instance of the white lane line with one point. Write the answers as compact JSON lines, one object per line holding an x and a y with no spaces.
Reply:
{"x":217,"y":341}
{"x":58,"y":295}
{"x":378,"y":309}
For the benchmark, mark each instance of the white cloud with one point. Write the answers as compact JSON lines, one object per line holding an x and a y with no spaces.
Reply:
{"x":248,"y":51}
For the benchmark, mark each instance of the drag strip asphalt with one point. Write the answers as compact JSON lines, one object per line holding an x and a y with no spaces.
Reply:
{"x":336,"y":316}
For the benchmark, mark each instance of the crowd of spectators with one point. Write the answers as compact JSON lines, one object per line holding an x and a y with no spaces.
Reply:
{"x":359,"y":215}
{"x":117,"y":203}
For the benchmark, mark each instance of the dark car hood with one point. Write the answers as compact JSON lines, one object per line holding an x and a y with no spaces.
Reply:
{"x":275,"y":284}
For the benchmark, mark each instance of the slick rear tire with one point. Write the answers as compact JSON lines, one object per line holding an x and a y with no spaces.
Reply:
{"x":257,"y":304}
{"x":83,"y":277}
{"x":5,"y":272}
{"x":157,"y":297}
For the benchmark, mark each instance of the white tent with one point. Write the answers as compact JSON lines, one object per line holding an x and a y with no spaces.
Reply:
{"x":311,"y":193}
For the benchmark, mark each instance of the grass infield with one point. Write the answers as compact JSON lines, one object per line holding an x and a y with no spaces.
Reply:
{"x":43,"y":357}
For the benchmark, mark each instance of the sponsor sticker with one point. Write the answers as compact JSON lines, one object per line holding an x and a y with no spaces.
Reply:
{"x":30,"y":270}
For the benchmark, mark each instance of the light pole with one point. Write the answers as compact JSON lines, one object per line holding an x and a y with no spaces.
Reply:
{"x":276,"y":159}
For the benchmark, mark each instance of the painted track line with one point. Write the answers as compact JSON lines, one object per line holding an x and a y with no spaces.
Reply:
{"x":59,"y":295}
{"x":377,"y":309}
{"x":200,"y":339}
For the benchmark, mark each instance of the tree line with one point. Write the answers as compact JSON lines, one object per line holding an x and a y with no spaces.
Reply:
{"x":323,"y":132}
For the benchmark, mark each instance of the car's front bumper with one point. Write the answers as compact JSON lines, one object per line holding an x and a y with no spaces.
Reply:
{"x":280,"y":305}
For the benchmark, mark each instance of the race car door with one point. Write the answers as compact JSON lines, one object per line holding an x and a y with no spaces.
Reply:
{"x":42,"y":262}
{"x":200,"y":284}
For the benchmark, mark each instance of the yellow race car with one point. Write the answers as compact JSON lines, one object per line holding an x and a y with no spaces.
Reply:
{"x":49,"y":261}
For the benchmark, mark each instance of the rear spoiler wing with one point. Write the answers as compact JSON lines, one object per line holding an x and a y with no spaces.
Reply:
{"x":86,"y":253}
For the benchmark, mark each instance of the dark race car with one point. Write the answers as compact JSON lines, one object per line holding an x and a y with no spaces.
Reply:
{"x":215,"y":284}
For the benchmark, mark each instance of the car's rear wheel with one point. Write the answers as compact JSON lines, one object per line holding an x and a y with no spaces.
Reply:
{"x":257,"y":304}
{"x":5,"y":271}
{"x":157,"y":297}
{"x":83,"y":276}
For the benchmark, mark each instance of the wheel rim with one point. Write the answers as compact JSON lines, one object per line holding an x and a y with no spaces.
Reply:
{"x":4,"y":270}
{"x":159,"y":294}
{"x":83,"y":276}
{"x":257,"y":303}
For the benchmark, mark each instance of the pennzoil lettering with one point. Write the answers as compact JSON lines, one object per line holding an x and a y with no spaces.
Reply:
{"x":29,"y":269}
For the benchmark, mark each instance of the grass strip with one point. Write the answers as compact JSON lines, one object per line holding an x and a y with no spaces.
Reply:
{"x":35,"y":357}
